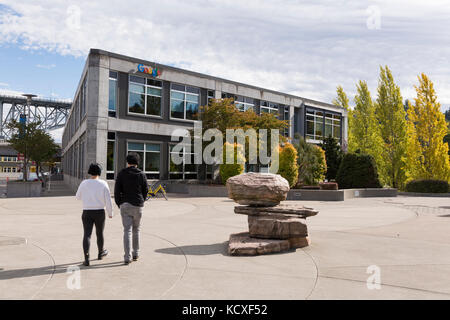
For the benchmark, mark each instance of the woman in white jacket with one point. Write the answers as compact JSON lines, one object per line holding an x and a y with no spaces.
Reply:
{"x":95,"y":195}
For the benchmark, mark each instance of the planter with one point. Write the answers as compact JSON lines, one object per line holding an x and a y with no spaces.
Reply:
{"x":22,"y":189}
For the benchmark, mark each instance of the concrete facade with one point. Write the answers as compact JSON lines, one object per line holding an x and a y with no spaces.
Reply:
{"x":90,"y":123}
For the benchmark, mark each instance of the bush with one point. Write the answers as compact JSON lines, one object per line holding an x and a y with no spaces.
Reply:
{"x":288,"y":167}
{"x":234,"y":169}
{"x":358,"y":171}
{"x":428,"y":186}
{"x":333,"y":156}
{"x":311,"y":163}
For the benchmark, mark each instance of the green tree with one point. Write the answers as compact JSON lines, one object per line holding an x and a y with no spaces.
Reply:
{"x":341,"y":99}
{"x":43,"y":149}
{"x":427,"y":153}
{"x":312,"y":164}
{"x":333,"y":156}
{"x":288,"y":167}
{"x":228,"y":170}
{"x":391,"y":123}
{"x":364,"y":130}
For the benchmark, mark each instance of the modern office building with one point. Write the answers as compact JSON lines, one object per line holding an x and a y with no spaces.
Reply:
{"x":125,"y":104}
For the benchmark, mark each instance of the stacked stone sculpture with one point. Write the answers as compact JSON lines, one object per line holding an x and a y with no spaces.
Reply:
{"x":273,"y":227}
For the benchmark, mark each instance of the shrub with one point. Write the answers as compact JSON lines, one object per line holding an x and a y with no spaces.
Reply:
{"x":357,"y":171}
{"x":333,"y":156}
{"x":288,"y":167}
{"x":428,"y":186}
{"x":311,"y":163}
{"x":236,"y":168}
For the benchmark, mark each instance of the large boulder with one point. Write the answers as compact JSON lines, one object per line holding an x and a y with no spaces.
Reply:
{"x":258,"y":189}
{"x":267,"y":227}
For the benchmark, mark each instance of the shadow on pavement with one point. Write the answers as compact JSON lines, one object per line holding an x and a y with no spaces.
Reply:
{"x":197,"y":250}
{"x":49,"y":270}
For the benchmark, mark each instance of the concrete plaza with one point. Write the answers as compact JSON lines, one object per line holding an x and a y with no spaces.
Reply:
{"x":184,"y":252}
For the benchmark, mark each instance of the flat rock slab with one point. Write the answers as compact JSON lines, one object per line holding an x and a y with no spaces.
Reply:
{"x":270,"y":228}
{"x":241,"y":244}
{"x":287,"y":210}
{"x":258,"y":189}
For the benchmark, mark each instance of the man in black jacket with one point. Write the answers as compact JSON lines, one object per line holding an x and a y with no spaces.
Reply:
{"x":130,"y":192}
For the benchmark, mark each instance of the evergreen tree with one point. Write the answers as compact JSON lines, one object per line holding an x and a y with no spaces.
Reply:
{"x":333,"y":156}
{"x":427,"y":153}
{"x":391,"y":122}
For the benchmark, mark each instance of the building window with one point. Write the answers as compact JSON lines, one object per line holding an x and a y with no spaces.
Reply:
{"x":184,"y":102}
{"x":184,"y":170}
{"x":242,"y":103}
{"x":112,"y":102}
{"x":110,"y":155}
{"x":269,"y":107}
{"x":144,"y":96}
{"x":321,"y":124}
{"x":150,"y":156}
{"x":211,"y":96}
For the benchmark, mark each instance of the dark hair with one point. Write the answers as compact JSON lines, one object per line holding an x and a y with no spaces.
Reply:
{"x":133,"y":158}
{"x":95,"y":169}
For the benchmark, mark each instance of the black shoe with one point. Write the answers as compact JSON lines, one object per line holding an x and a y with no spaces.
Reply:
{"x":86,"y":260}
{"x":102,"y":254}
{"x":135,"y":258}
{"x":127,"y":262}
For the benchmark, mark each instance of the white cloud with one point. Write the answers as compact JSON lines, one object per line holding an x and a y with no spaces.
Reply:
{"x":46,"y":66}
{"x":4,"y":84}
{"x":302,"y":47}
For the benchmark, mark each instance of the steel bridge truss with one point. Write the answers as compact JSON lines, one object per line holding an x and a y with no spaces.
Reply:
{"x":53,"y":114}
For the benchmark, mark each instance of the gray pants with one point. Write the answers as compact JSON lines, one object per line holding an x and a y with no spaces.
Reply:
{"x":131,"y":220}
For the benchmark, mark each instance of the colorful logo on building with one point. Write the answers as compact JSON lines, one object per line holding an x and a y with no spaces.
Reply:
{"x":155,"y":72}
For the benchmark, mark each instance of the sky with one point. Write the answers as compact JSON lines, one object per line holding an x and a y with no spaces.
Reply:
{"x":305,"y":48}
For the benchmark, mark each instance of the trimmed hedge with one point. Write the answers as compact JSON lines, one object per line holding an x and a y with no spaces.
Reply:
{"x":428,"y":186}
{"x":288,"y":164}
{"x":357,"y":171}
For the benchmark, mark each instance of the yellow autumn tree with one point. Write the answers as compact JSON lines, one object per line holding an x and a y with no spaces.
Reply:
{"x":427,"y":153}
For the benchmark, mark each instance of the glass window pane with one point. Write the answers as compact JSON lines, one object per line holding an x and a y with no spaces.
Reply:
{"x":177,"y":95}
{"x":137,"y":88}
{"x":193,"y":90}
{"x":328,"y":130}
{"x":178,"y":87}
{"x":153,"y":106}
{"x":175,"y":167}
{"x":153,"y":147}
{"x":110,"y":156}
{"x":154,"y":91}
{"x":310,"y":127}
{"x":112,"y":95}
{"x":113,"y":74}
{"x":177,"y":109}
{"x":135,"y":146}
{"x":191,"y":111}
{"x":137,"y":79}
{"x":152,"y":161}
{"x":192,"y":98}
{"x":136,"y":103}
{"x":154,"y":83}
{"x":337,"y":132}
{"x":319,"y":128}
